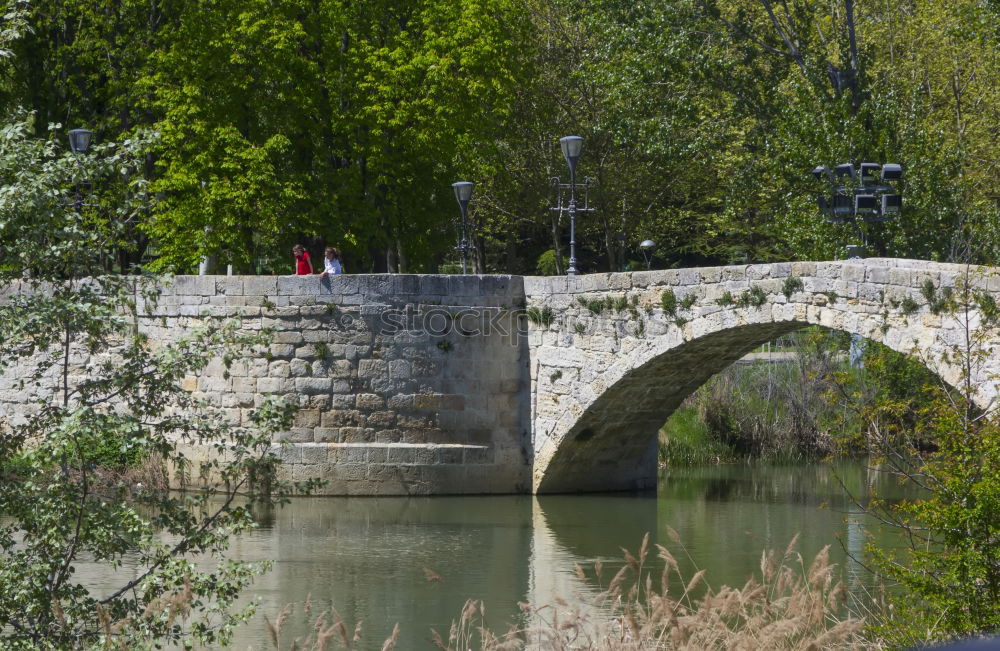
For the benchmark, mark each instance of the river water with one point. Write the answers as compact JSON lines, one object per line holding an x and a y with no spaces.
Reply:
{"x":367,"y":556}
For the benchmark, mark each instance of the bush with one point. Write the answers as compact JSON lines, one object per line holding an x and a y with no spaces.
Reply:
{"x":546,"y":264}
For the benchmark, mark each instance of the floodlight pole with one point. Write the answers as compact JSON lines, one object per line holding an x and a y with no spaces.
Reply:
{"x":869,"y":201}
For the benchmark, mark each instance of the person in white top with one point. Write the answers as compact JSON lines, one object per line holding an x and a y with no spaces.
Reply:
{"x":331,"y":262}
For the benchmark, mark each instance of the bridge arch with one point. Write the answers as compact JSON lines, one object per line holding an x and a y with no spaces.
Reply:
{"x":602,"y":384}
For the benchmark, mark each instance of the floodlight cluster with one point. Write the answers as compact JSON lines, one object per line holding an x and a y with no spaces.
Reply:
{"x":863,"y":192}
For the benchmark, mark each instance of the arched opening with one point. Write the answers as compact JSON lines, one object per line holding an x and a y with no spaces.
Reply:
{"x":613,"y":444}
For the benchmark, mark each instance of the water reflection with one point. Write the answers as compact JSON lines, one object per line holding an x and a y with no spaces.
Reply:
{"x":366,"y":556}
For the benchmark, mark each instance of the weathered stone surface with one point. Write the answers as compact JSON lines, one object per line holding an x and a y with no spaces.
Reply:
{"x":413,"y":385}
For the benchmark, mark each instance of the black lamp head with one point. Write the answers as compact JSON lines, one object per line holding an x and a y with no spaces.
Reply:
{"x":571,"y":148}
{"x":79,"y":140}
{"x":844,"y":170}
{"x":868,"y":172}
{"x":892,"y":172}
{"x":463,"y":192}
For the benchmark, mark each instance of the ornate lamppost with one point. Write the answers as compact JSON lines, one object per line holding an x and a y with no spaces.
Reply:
{"x":571,"y":148}
{"x":463,"y":194}
{"x":79,"y":143}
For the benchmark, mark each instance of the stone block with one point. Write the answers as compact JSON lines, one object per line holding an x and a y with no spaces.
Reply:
{"x":478,"y":455}
{"x":312,"y":385}
{"x":853,"y":272}
{"x":803,"y":268}
{"x":449,"y":455}
{"x":213,"y":385}
{"x":340,"y":368}
{"x":433,"y":285}
{"x":278,"y":368}
{"x":327,"y":434}
{"x":399,"y":454}
{"x":356,"y":434}
{"x":401,"y":401}
{"x":296,"y":435}
{"x":369,"y":401}
{"x":245,"y":384}
{"x":287,"y":337}
{"x":282,"y":350}
{"x":229,"y":285}
{"x":260,"y":285}
{"x":381,"y":419}
{"x":372,"y":368}
{"x":306,"y":418}
{"x":297,"y":285}
{"x":900,"y":277}
{"x":299,"y":367}
{"x":194,"y":286}
{"x":399,"y":369}
{"x":342,"y":418}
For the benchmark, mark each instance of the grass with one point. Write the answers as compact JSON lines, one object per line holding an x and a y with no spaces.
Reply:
{"x":541,"y":316}
{"x":686,"y":441}
{"x":778,"y":413}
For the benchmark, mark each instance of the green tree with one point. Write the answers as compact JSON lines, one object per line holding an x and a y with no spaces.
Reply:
{"x":61,"y":507}
{"x":949,"y":561}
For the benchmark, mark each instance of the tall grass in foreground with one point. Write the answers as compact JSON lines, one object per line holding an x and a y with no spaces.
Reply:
{"x":650,"y":605}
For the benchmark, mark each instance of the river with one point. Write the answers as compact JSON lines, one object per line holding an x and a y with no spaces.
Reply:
{"x":367,"y":556}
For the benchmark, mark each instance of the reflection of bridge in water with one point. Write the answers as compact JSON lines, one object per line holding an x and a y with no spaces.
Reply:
{"x":366,"y":556}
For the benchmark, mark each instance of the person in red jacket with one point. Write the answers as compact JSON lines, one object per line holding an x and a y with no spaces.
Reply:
{"x":303,"y":266}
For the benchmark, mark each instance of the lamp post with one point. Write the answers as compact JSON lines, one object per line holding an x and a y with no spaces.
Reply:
{"x":463,"y":194}
{"x":79,"y":143}
{"x":862,"y":194}
{"x":647,"y":247}
{"x":571,"y":148}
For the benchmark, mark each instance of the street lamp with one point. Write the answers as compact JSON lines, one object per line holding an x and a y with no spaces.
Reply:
{"x":79,"y":143}
{"x":79,"y":140}
{"x":647,"y":247}
{"x":463,"y":194}
{"x":571,"y":148}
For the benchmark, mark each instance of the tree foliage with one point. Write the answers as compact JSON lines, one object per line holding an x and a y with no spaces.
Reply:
{"x":346,"y":122}
{"x":67,"y":503}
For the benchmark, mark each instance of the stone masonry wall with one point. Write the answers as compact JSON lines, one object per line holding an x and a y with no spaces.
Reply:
{"x":405,"y":384}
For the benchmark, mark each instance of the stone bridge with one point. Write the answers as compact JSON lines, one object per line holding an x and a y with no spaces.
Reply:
{"x":604,"y":379}
{"x":413,"y":384}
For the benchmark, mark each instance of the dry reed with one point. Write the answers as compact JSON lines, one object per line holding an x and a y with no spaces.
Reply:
{"x":788,"y":605}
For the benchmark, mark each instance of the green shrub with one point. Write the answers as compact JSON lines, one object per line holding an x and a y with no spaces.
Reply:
{"x":669,"y":302}
{"x":755,"y":296}
{"x":791,"y":285}
{"x":541,"y":316}
{"x":546,"y":264}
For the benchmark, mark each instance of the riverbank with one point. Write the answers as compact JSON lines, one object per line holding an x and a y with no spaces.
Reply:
{"x":799,"y":402}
